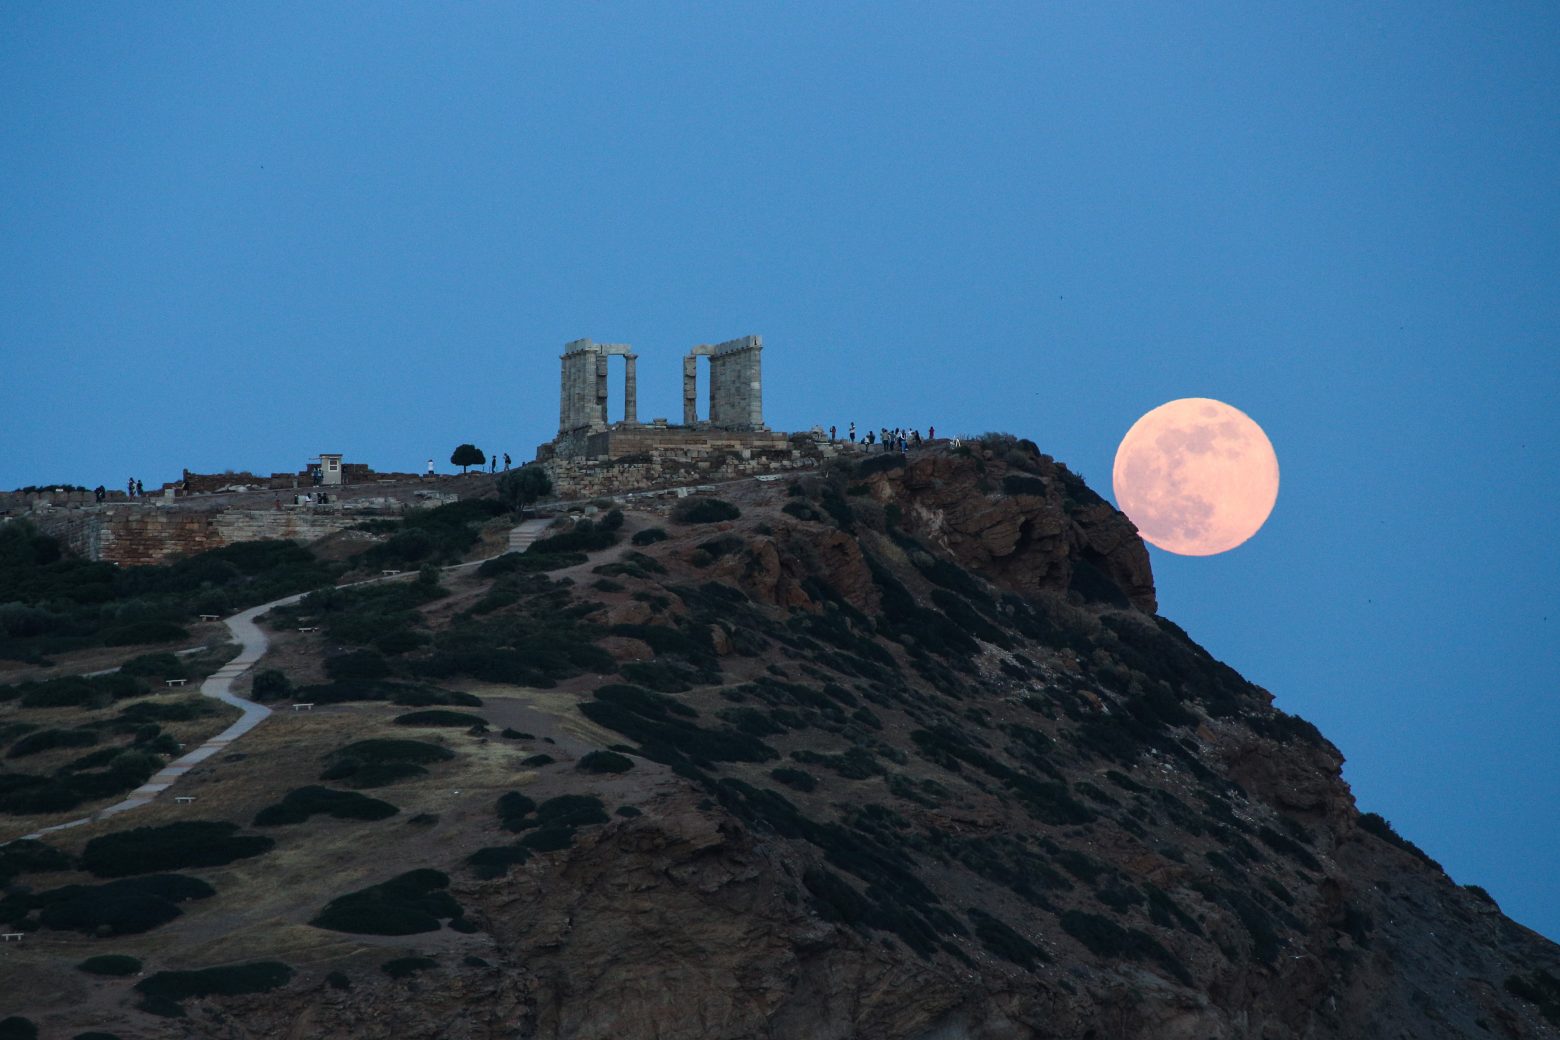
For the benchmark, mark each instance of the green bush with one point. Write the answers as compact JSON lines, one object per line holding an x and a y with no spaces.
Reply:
{"x":405,"y":905}
{"x":537,"y":761}
{"x":604,"y":762}
{"x":649,"y":536}
{"x":17,"y":1028}
{"x":1376,"y":824}
{"x":110,"y":964}
{"x":584,"y":537}
{"x":361,"y":664}
{"x":797,"y":779}
{"x":49,"y":739}
{"x":300,"y":804}
{"x":95,"y":1035}
{"x":495,"y":861}
{"x":124,"y":907}
{"x":883,"y":463}
{"x":1016,"y":484}
{"x":704,"y":511}
{"x":406,"y":967}
{"x":1004,"y":942}
{"x":271,"y":685}
{"x":144,"y":632}
{"x":155,"y":666}
{"x":230,"y":981}
{"x":379,"y":751}
{"x":193,"y":843}
{"x":29,"y":856}
{"x":441,"y":718}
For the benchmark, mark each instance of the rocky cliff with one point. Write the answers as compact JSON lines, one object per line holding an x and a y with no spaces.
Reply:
{"x":901,"y":751}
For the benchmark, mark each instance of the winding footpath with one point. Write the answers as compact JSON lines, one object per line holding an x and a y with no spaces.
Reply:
{"x":253,"y":644}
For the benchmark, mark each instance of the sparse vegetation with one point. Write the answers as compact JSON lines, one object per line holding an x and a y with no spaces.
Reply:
{"x":303,"y":802}
{"x":405,"y":905}
{"x":704,"y":511}
{"x":110,"y":964}
{"x":604,"y":762}
{"x":193,"y":843}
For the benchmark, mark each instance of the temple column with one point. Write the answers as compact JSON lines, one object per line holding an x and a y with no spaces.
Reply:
{"x":630,"y":389}
{"x":690,"y":390}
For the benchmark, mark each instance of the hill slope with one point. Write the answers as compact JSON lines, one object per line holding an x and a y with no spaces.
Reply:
{"x":897,"y":751}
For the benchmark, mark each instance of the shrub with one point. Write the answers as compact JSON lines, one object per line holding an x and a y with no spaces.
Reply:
{"x":230,"y":981}
{"x":95,"y":1035}
{"x":300,"y":804}
{"x":884,"y":463}
{"x":604,"y":762}
{"x":379,"y":751}
{"x":612,"y":521}
{"x":125,"y":907}
{"x":704,"y":511}
{"x":360,"y":664}
{"x":28,"y":856}
{"x":649,"y":536}
{"x":18,"y":1028}
{"x":144,"y":632}
{"x":1015,"y":484}
{"x":193,"y":843}
{"x":406,"y":967}
{"x":1004,"y":942}
{"x":405,"y":905}
{"x":794,"y":778}
{"x":110,"y":964}
{"x":49,"y":739}
{"x":441,"y":718}
{"x":1540,"y":989}
{"x":271,"y":685}
{"x":583,"y":538}
{"x":1375,"y":823}
{"x":156,"y":666}
{"x":495,"y":861}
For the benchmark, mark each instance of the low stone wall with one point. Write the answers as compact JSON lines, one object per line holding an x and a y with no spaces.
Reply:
{"x":134,"y":537}
{"x":678,"y":465}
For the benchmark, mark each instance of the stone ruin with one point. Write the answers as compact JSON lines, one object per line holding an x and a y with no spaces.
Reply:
{"x":735,"y":410}
{"x":594,"y":456}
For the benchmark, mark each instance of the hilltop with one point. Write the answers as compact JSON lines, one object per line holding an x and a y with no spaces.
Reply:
{"x":894,"y":749}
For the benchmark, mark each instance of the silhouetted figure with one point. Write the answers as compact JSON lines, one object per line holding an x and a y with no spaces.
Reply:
{"x":139,"y":489}
{"x":870,"y":437}
{"x":506,"y":462}
{"x":853,"y":433}
{"x":430,"y":469}
{"x":931,"y":433}
{"x":833,"y":434}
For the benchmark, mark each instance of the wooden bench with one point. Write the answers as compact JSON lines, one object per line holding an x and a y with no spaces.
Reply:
{"x":310,"y":628}
{"x":12,"y":936}
{"x":304,"y":706}
{"x":177,"y":682}
{"x":387,"y":574}
{"x":183,"y":799}
{"x":211,"y":617}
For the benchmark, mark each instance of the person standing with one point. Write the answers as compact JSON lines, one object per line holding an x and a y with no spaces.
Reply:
{"x":493,"y":464}
{"x":833,"y":434}
{"x":853,"y":433}
{"x":931,"y":433}
{"x":430,"y":469}
{"x":139,"y":489}
{"x":506,"y":462}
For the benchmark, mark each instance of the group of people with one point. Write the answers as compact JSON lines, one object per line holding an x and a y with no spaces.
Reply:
{"x":132,"y":488}
{"x":898,"y":438}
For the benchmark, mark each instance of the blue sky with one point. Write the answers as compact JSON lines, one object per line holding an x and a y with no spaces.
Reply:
{"x":236,"y":235}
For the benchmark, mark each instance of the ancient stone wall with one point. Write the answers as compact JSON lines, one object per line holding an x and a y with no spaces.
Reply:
{"x":680,"y":464}
{"x":736,"y":384}
{"x":134,"y":536}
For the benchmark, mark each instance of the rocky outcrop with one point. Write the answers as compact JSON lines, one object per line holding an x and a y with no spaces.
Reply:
{"x":1019,"y":518}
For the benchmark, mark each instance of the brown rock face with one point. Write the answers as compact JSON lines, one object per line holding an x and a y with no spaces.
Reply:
{"x":1022,"y":520}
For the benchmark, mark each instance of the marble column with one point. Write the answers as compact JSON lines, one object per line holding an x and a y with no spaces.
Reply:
{"x":630,"y":389}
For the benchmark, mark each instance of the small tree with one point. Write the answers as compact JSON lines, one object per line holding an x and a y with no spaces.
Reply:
{"x":519,"y":488}
{"x":467,"y":455}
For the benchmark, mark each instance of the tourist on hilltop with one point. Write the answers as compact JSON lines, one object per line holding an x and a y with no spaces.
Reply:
{"x":853,"y":433}
{"x":869,"y":438}
{"x":493,"y":464}
{"x":506,"y":462}
{"x":931,"y":433}
{"x":833,"y":434}
{"x":915,"y":437}
{"x":130,"y":487}
{"x":139,"y":489}
{"x":430,"y":469}
{"x":100,"y":493}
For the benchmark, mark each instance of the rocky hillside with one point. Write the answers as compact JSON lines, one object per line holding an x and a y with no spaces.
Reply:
{"x":900,"y":750}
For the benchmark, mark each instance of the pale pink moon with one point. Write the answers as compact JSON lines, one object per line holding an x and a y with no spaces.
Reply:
{"x":1196,"y":476}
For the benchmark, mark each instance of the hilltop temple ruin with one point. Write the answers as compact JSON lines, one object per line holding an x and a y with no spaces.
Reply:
{"x":734,"y":414}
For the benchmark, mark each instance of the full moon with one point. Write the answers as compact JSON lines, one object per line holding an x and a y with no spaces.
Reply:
{"x":1196,"y":476}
